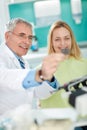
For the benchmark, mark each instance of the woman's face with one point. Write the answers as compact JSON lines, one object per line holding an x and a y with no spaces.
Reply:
{"x":61,"y":39}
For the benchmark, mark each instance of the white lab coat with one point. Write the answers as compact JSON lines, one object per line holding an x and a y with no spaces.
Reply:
{"x":11,"y":77}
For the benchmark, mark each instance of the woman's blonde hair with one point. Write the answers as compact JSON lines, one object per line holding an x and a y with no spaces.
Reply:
{"x":75,"y":50}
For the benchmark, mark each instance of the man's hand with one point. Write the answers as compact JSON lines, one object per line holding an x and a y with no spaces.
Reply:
{"x":49,"y":66}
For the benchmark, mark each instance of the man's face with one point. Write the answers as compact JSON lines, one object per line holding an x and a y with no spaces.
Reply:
{"x":20,"y":39}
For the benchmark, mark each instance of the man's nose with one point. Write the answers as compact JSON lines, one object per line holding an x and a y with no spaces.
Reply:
{"x":27,"y":41}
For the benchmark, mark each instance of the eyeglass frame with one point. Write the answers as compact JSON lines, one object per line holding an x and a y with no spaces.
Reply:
{"x":23,"y":36}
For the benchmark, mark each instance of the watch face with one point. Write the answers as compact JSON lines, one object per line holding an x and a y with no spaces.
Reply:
{"x":41,"y":77}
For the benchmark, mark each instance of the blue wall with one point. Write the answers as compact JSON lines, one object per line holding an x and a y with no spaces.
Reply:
{"x":25,"y":10}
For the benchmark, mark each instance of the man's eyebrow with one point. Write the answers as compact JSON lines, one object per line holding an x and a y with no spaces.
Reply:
{"x":25,"y":34}
{"x":22,"y":33}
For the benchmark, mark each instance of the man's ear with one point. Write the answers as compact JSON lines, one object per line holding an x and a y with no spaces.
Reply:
{"x":7,"y":35}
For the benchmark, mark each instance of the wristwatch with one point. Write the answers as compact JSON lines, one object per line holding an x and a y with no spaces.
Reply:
{"x":42,"y":78}
{"x":40,"y":75}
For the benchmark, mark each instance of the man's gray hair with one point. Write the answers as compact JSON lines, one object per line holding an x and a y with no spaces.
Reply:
{"x":13,"y":22}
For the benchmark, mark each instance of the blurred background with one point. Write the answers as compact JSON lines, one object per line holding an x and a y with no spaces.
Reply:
{"x":41,"y":14}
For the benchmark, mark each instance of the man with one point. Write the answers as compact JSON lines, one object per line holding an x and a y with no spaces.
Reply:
{"x":14,"y":70}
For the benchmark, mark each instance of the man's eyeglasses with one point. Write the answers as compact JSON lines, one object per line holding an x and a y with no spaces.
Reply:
{"x":23,"y":36}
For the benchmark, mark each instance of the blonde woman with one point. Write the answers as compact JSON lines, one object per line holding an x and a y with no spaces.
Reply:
{"x":74,"y":66}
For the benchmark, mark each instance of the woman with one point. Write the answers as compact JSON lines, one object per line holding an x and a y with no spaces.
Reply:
{"x":74,"y":66}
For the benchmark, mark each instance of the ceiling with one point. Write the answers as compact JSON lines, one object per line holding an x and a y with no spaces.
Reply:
{"x":17,"y":1}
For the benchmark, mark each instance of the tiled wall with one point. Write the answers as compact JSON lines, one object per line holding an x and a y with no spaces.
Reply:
{"x":26,"y":11}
